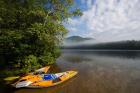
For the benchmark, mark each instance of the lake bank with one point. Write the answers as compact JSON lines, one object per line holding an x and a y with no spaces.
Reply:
{"x":103,"y":72}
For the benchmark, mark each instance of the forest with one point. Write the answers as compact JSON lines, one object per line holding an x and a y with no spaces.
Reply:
{"x":120,"y":45}
{"x":31,"y":32}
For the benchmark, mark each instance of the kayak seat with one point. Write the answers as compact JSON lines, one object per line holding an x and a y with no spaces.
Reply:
{"x":49,"y":77}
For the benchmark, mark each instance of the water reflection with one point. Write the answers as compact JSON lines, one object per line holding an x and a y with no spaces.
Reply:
{"x":99,"y":72}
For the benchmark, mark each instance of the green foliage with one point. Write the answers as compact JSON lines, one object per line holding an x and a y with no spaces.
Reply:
{"x":32,"y":30}
{"x":47,"y":58}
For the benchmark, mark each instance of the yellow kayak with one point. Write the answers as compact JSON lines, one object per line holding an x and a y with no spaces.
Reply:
{"x":11,"y":78}
{"x":39,"y":71}
{"x":44,"y":80}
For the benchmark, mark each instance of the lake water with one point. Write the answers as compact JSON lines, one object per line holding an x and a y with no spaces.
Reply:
{"x":99,"y":72}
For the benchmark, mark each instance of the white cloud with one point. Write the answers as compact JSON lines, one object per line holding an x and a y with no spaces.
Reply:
{"x":72,"y":22}
{"x":111,"y":20}
{"x":73,"y":29}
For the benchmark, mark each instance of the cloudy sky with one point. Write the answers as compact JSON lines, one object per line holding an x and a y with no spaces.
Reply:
{"x":107,"y":20}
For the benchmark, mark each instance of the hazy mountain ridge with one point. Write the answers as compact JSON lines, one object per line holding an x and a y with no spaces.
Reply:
{"x":77,"y":39}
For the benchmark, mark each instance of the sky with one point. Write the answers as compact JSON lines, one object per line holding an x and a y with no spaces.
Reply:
{"x":106,"y":20}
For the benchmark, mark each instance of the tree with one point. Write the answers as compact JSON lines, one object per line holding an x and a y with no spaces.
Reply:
{"x":32,"y":30}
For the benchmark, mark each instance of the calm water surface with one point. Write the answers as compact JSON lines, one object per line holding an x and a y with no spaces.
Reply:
{"x":99,"y":72}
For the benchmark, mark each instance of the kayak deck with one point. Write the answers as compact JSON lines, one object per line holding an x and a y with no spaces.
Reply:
{"x":45,"y":80}
{"x":55,"y":79}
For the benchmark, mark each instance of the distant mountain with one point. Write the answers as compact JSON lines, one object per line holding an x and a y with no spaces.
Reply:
{"x":76,"y":39}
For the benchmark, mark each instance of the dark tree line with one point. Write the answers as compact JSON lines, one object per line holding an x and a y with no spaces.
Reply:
{"x":121,"y":45}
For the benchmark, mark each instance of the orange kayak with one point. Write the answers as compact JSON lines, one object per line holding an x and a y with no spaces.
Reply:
{"x":44,"y":80}
{"x":39,"y":71}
